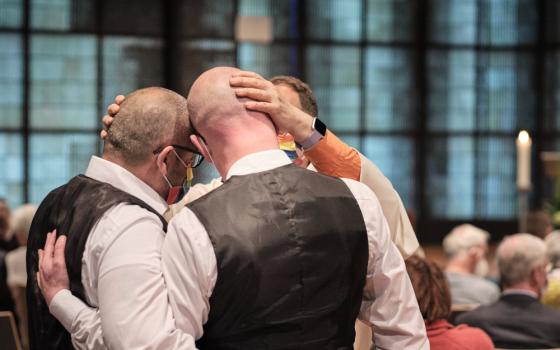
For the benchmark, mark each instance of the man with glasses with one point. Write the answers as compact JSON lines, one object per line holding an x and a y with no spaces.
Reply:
{"x":113,"y":221}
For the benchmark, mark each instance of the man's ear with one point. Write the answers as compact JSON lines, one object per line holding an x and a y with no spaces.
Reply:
{"x":200,"y":145}
{"x":162,"y":159}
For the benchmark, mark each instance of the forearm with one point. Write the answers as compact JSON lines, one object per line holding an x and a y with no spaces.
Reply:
{"x":81,"y":321}
{"x":331,"y":156}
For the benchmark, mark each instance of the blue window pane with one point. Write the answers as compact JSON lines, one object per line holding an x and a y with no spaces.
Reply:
{"x":389,"y":20}
{"x":283,"y":13}
{"x":552,"y":121}
{"x":496,"y":22}
{"x":452,"y":95}
{"x":390,"y":92}
{"x":63,"y":81}
{"x":506,"y":94}
{"x":451,"y":177}
{"x":56,"y":158}
{"x":206,"y":18}
{"x":453,"y":21}
{"x":267,"y":60}
{"x":496,"y":193}
{"x":200,"y":55}
{"x":333,"y":72}
{"x":472,"y":178}
{"x":11,"y":80}
{"x":394,"y":156}
{"x":130,"y":63}
{"x":63,"y":14}
{"x":11,"y":12}
{"x":11,"y":171}
{"x":334,"y":19}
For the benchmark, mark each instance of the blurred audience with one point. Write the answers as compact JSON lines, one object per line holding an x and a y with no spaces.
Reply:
{"x":539,"y":223}
{"x":7,"y":243}
{"x":432,"y":292}
{"x":551,"y":296}
{"x":518,"y":320}
{"x":466,"y":247}
{"x":15,"y":265}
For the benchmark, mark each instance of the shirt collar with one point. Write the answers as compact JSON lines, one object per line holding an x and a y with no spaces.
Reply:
{"x":105,"y":171}
{"x":520,"y":291}
{"x":257,"y":162}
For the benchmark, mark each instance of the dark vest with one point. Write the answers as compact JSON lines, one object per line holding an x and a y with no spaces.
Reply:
{"x":73,"y":210}
{"x":292,"y":252}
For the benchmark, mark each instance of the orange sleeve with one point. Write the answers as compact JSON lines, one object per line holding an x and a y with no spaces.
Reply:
{"x":333,"y":157}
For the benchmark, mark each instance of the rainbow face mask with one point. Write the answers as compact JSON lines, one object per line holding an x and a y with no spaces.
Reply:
{"x":288,"y":145}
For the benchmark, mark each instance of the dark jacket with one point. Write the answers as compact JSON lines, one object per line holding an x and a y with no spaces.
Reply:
{"x":517,"y":321}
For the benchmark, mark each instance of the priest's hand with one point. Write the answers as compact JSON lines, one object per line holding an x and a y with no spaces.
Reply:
{"x":52,"y":276}
{"x":265,"y":98}
{"x":112,"y":110}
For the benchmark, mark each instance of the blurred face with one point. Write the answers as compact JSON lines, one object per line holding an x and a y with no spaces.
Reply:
{"x":4,"y":221}
{"x":288,"y":94}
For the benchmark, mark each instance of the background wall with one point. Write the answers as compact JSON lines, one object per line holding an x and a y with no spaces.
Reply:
{"x":433,"y":91}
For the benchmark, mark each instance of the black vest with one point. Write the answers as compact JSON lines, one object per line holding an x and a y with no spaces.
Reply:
{"x":292,"y":251}
{"x":73,"y":210}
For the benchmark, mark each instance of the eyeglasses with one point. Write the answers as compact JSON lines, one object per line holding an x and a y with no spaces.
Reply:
{"x":196,"y":159}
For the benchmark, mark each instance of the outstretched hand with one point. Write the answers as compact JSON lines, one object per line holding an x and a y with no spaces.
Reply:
{"x":265,"y":98}
{"x":112,"y":110}
{"x":52,"y":276}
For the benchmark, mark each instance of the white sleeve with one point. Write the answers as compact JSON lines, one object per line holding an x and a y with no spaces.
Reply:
{"x":189,"y":267}
{"x":131,"y":291}
{"x":402,"y":233}
{"x":81,"y":321}
{"x":133,"y":302}
{"x":389,"y":304}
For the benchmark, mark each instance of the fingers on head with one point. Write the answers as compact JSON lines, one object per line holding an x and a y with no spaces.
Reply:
{"x":113,"y":109}
{"x":119,"y":99}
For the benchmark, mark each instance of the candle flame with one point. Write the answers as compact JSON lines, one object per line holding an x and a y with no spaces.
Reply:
{"x":523,"y":136}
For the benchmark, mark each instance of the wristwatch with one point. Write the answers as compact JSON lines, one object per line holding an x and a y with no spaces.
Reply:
{"x":319,"y":130}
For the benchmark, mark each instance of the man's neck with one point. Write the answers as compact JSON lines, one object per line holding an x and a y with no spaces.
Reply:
{"x":457,"y":267}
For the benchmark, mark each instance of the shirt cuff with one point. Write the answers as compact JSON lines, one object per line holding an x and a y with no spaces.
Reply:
{"x":65,"y":307}
{"x":333,"y":157}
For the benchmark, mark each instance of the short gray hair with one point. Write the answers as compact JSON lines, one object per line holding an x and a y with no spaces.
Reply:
{"x":148,"y":120}
{"x":22,"y":218}
{"x":464,"y":237}
{"x":552,"y":242}
{"x":517,"y":256}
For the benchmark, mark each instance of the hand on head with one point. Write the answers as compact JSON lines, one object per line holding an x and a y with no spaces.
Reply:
{"x":112,"y":111}
{"x":265,"y":97}
{"x":52,"y":276}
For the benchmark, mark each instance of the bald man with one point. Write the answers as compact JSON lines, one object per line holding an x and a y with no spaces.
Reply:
{"x":112,"y":217}
{"x":279,"y":257}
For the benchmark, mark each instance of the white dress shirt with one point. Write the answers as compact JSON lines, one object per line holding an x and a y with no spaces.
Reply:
{"x":391,"y":309}
{"x":121,"y":275}
{"x":189,"y":264}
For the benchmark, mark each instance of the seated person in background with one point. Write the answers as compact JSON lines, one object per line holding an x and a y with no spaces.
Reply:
{"x":15,"y":265}
{"x":539,"y":223}
{"x":551,"y":296}
{"x":466,"y":247}
{"x":7,"y":243}
{"x":432,"y":292}
{"x":518,"y":320}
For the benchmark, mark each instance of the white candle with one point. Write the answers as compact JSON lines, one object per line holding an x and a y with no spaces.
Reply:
{"x":523,"y":143}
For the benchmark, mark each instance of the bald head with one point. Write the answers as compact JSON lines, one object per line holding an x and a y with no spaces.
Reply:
{"x":213,"y":105}
{"x":148,"y":120}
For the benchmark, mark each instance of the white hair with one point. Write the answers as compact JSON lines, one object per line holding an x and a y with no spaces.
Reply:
{"x":462,"y":238}
{"x":22,"y":218}
{"x":517,"y":256}
{"x":552,"y":242}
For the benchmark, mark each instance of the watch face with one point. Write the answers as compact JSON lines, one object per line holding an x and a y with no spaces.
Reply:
{"x":320,"y":126}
